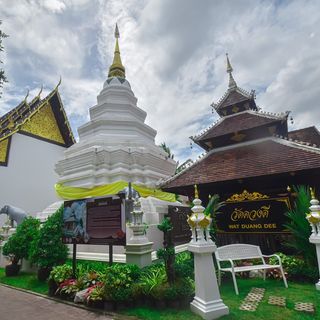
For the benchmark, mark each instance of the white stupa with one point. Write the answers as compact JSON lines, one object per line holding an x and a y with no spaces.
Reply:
{"x":116,"y":144}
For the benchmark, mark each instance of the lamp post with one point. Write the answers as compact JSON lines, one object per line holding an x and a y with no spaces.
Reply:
{"x":207,"y":301}
{"x":314,"y":219}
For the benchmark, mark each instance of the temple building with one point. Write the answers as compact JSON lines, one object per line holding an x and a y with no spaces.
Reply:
{"x":33,"y":137}
{"x":250,"y":160}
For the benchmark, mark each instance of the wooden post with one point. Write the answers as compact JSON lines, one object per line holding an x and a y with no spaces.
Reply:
{"x":110,"y":254}
{"x":74,"y":259}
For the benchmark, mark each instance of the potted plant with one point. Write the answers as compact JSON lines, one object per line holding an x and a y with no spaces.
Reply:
{"x":118,"y":280}
{"x":47,"y":249}
{"x":18,"y":245}
{"x":95,"y":296}
{"x":58,"y":275}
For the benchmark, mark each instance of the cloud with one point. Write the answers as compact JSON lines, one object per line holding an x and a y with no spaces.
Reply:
{"x":174,"y":54}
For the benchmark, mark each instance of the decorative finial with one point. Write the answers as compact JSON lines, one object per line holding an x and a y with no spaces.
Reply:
{"x":57,"y":86}
{"x":196,"y":195}
{"x":117,"y":69}
{"x":288,"y":189}
{"x":25,"y":98}
{"x":312,"y":193}
{"x":116,"y":32}
{"x":40,"y":91}
{"x":232,"y":82}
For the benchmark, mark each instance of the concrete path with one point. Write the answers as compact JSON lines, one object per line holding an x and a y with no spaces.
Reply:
{"x":18,"y":305}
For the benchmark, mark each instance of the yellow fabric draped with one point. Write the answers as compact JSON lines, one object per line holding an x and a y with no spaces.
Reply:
{"x":72,"y":193}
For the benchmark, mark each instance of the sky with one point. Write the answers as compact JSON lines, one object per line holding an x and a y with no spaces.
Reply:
{"x":174,"y":55}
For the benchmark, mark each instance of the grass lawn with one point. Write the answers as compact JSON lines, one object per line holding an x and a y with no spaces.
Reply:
{"x":25,"y":281}
{"x":297,"y":292}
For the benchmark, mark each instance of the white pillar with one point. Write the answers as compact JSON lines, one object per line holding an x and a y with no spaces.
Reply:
{"x":314,"y":220}
{"x":207,"y":301}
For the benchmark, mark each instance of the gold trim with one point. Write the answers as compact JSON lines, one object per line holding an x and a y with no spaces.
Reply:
{"x":245,"y":195}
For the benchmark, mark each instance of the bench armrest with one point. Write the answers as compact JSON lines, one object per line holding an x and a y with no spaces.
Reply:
{"x":273,"y":255}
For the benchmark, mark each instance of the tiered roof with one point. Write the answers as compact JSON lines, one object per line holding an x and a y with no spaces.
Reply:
{"x":262,"y":157}
{"x":241,"y":121}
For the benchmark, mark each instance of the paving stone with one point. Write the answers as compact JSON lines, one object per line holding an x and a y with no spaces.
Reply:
{"x":258,"y":290}
{"x":248,"y":306}
{"x":277,"y":301}
{"x":304,"y":307}
{"x":254,"y":297}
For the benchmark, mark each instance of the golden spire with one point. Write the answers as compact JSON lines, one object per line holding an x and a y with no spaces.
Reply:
{"x":117,"y":69}
{"x":312,"y":193}
{"x":232,"y":82}
{"x":196,"y":195}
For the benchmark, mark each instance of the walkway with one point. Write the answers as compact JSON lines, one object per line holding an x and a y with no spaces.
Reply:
{"x":18,"y":305}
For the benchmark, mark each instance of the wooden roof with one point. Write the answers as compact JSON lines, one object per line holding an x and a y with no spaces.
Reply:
{"x":263,"y":157}
{"x":309,"y":134}
{"x":238,"y":122}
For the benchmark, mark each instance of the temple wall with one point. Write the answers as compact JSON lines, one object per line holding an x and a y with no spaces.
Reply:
{"x":28,"y":180}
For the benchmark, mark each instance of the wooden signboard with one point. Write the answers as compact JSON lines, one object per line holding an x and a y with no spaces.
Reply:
{"x":95,"y":221}
{"x":181,"y":232}
{"x":253,"y":213}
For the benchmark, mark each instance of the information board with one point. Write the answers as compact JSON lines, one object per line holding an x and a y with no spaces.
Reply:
{"x":95,"y":221}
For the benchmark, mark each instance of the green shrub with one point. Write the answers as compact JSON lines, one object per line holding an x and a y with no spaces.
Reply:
{"x":184,"y":265}
{"x":19,"y":244}
{"x":61,"y":273}
{"x":185,"y":288}
{"x":300,"y":227}
{"x":47,"y":249}
{"x":296,"y":268}
{"x":89,"y":266}
{"x":118,"y":280}
{"x":152,"y":278}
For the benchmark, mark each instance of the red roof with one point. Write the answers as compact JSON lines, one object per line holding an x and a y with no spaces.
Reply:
{"x":310,"y":134}
{"x":238,"y":122}
{"x":262,"y":157}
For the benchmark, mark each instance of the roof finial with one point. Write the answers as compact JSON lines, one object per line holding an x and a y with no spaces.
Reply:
{"x":117,"y":69}
{"x":196,"y":194}
{"x":232,"y":82}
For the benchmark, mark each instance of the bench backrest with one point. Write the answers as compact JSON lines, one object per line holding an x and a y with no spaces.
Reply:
{"x":238,"y":251}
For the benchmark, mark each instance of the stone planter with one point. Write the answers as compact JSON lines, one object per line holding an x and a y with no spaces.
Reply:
{"x":12,"y":270}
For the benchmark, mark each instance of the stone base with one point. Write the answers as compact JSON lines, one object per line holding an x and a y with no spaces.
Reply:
{"x":209,"y":310}
{"x":318,"y":285}
{"x":139,"y":254}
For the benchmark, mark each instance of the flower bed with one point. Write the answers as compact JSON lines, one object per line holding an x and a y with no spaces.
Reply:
{"x":120,"y":286}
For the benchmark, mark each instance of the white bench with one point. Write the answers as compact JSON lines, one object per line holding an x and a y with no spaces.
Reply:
{"x":243,"y":251}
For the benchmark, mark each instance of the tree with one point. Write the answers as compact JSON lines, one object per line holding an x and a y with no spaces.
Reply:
{"x":167,"y":150}
{"x":3,"y":77}
{"x":47,"y":249}
{"x":18,"y":245}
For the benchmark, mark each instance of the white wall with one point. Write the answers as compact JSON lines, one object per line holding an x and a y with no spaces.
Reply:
{"x":28,"y":180}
